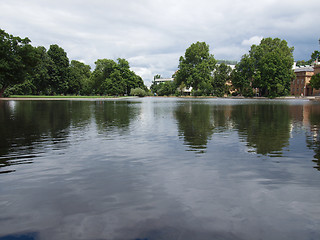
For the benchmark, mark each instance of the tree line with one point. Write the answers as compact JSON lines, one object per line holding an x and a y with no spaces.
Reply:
{"x":265,"y":71}
{"x":29,"y":70}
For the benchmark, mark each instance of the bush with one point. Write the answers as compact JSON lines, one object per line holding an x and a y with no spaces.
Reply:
{"x":138,"y":92}
{"x":197,"y":93}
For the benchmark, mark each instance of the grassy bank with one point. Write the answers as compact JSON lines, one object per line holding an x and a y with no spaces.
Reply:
{"x":44,"y":96}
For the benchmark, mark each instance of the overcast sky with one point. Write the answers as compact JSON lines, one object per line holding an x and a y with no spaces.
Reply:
{"x":153,"y":34}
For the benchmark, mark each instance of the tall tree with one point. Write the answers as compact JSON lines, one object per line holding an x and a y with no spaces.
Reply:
{"x":268,"y":67}
{"x":220,"y":77}
{"x":104,"y":68}
{"x":40,"y":77}
{"x":315,"y":56}
{"x":114,"y":78}
{"x":79,"y":76}
{"x":131,"y":80}
{"x":242,"y":75}
{"x":196,"y":67}
{"x":114,"y":84}
{"x":59,"y":70}
{"x":273,"y":61}
{"x":17,"y":59}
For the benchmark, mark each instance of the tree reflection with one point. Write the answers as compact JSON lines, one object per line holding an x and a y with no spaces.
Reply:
{"x":195,"y":125}
{"x":313,"y":138}
{"x":265,"y":127}
{"x":114,"y":115}
{"x":30,"y":126}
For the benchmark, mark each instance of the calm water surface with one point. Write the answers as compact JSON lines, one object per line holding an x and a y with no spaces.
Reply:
{"x":160,"y":168}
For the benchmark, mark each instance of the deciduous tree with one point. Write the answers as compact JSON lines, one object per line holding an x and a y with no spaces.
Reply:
{"x":220,"y":77}
{"x":268,"y":67}
{"x":17,"y":59}
{"x":196,"y":67}
{"x":315,"y":81}
{"x":79,"y":76}
{"x":59,"y":70}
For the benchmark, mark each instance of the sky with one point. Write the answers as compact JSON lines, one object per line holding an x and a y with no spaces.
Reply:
{"x":153,"y":34}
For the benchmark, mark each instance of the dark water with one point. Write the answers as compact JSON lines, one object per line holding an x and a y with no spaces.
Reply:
{"x":160,"y":168}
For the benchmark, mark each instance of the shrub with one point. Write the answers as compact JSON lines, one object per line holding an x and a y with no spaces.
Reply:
{"x":138,"y":92}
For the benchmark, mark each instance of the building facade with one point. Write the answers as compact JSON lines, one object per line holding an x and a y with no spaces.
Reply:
{"x":300,"y":86}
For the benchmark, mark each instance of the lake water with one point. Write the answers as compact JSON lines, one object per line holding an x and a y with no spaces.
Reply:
{"x":160,"y":168}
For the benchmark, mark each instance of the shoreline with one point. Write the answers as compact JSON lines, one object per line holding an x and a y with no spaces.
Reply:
{"x":64,"y":98}
{"x":311,"y":98}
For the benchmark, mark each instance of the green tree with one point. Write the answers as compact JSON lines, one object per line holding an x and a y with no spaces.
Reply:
{"x":273,"y":61}
{"x":41,"y":77}
{"x":102,"y":71}
{"x":196,"y":67}
{"x":59,"y":70}
{"x":242,"y":75}
{"x":115,"y":84}
{"x":158,"y":76}
{"x":220,"y":77}
{"x":131,"y":79}
{"x":164,"y":89}
{"x":114,"y":78}
{"x":268,"y":67}
{"x":17,"y":59}
{"x":303,"y":63}
{"x":315,"y":81}
{"x":315,"y":56}
{"x":79,"y":76}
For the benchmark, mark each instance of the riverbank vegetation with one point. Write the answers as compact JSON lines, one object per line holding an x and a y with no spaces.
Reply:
{"x":28,"y":70}
{"x":265,"y":71}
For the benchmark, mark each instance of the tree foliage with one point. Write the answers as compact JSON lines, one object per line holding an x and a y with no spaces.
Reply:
{"x":196,"y":67}
{"x":164,"y":89}
{"x":315,"y":81}
{"x":220,"y":77}
{"x":313,"y":58}
{"x":242,"y":75}
{"x":25,"y":69}
{"x":268,"y":67}
{"x":79,"y":75}
{"x":138,"y":92}
{"x":17,"y":59}
{"x":111,"y":78}
{"x":58,"y":70}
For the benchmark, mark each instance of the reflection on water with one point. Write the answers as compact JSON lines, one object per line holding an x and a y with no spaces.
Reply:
{"x":313,"y":136}
{"x":195,"y":125}
{"x":265,"y":127}
{"x":160,"y":168}
{"x":114,"y":115}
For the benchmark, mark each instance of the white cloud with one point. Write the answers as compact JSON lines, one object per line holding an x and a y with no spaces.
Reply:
{"x":152,"y":35}
{"x":253,"y":40}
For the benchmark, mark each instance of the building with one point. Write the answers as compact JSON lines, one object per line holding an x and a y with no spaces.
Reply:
{"x":316,"y":71}
{"x":300,"y":85}
{"x":163,"y":80}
